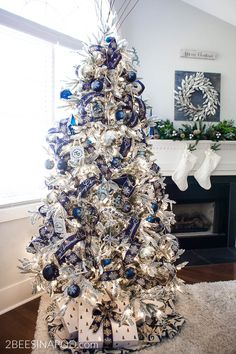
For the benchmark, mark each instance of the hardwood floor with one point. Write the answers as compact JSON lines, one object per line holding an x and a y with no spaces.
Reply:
{"x":208,"y":273}
{"x":18,"y":326}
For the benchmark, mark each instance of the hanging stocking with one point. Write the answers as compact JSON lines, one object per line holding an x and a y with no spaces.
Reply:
{"x":180,"y":174}
{"x":202,"y":175}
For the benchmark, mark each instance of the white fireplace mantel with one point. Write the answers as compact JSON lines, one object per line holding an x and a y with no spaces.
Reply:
{"x":167,"y":154}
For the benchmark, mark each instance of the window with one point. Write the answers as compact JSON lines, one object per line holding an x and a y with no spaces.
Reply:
{"x":26,"y":109}
{"x":76,"y":18}
{"x":31,"y":71}
{"x":34,"y":59}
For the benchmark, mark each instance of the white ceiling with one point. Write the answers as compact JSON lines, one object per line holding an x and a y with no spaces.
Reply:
{"x":223,"y":9}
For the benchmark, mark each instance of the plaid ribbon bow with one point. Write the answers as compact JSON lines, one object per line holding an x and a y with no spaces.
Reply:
{"x":103,"y":315}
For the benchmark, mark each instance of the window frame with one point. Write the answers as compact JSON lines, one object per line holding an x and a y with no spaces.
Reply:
{"x":18,"y":210}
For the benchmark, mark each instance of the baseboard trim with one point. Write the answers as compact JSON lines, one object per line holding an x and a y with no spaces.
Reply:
{"x":16,"y":295}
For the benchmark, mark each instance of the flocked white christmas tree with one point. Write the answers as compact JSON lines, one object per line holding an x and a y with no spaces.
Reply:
{"x":105,"y":227}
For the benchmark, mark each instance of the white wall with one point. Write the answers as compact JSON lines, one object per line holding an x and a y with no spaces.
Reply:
{"x":15,"y":288}
{"x":158,"y":29}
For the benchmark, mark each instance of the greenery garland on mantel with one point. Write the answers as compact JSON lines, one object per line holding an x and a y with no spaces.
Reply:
{"x":225,"y":130}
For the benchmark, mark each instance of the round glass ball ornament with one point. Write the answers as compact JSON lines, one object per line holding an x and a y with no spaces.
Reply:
{"x":116,"y":161}
{"x":49,"y":164}
{"x":126,"y":208}
{"x":130,"y":273}
{"x":50,"y":272}
{"x":73,"y":290}
{"x":62,"y":165}
{"x":147,"y":252}
{"x":150,"y":218}
{"x":120,"y":115}
{"x":65,"y":94}
{"x":97,"y":85}
{"x":106,"y":262}
{"x":154,"y":206}
{"x":77,"y":212}
{"x":131,"y":76}
{"x":109,"y":39}
{"x":86,"y":71}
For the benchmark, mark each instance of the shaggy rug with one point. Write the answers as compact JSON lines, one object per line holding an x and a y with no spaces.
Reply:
{"x":210,"y":328}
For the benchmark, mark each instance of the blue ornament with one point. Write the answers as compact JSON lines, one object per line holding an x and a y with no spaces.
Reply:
{"x":131,"y":76}
{"x":120,"y":115}
{"x":106,"y":262}
{"x":73,"y":120}
{"x":109,"y":39}
{"x":62,"y":165}
{"x":77,"y":212}
{"x":153,"y":219}
{"x":65,"y":94}
{"x":97,"y":85}
{"x":73,"y":290}
{"x":150,"y":219}
{"x":126,"y":208}
{"x":154,"y":207}
{"x":50,"y":272}
{"x":116,"y":162}
{"x":89,"y":141}
{"x":49,"y":164}
{"x":130,"y":273}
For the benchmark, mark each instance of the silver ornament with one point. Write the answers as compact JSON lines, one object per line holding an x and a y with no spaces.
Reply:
{"x":86,"y":70}
{"x":109,"y":137}
{"x":147,"y":252}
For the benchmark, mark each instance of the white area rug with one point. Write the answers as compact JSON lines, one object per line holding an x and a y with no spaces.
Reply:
{"x":210,"y":328}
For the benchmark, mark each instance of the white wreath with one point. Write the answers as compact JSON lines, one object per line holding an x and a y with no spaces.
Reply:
{"x":192,"y":83}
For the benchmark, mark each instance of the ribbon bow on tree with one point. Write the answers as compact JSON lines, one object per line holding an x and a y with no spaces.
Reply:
{"x":103,"y":315}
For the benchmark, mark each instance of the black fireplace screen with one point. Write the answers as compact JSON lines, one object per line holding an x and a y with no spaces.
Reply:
{"x":194,"y":218}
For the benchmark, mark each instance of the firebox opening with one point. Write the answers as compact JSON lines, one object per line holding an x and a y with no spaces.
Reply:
{"x":195,"y":219}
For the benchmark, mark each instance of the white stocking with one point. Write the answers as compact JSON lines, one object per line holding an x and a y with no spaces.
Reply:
{"x":202,"y":175}
{"x":185,"y":165}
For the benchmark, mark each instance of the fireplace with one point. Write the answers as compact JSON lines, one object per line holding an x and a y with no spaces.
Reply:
{"x":205,"y":218}
{"x":193,"y":219}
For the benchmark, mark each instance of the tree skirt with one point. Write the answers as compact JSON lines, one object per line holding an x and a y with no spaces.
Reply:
{"x":210,"y":328}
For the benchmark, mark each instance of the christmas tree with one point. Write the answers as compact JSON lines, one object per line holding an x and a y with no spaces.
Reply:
{"x":106,"y":220}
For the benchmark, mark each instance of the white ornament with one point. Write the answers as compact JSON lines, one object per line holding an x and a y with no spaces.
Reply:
{"x":147,"y":252}
{"x":99,"y":58}
{"x":59,"y":225}
{"x":109,"y":137}
{"x":77,"y":154}
{"x":86,"y":70}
